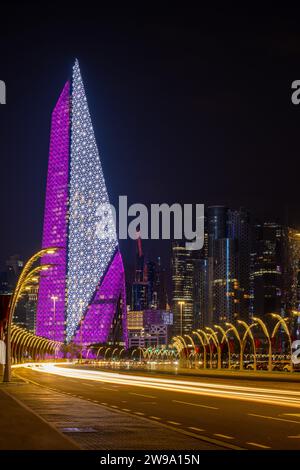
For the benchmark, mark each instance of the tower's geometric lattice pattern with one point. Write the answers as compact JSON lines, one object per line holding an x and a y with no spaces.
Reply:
{"x":92,"y":241}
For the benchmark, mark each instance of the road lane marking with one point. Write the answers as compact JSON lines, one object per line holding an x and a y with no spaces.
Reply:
{"x":275,"y":419}
{"x":224,"y":436}
{"x":103,"y":403}
{"x":196,"y":429}
{"x":88,"y":385}
{"x":195,"y":404}
{"x":140,"y":395}
{"x":139,"y":413}
{"x":154,"y":417}
{"x":262,"y":446}
{"x":297,"y":415}
{"x":95,"y":401}
{"x":126,"y":409}
{"x":294,"y":437}
{"x":174,"y":422}
{"x":110,"y":389}
{"x":114,"y":406}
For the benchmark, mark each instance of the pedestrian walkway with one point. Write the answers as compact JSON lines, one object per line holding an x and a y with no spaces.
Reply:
{"x":21,"y":429}
{"x":87,"y":424}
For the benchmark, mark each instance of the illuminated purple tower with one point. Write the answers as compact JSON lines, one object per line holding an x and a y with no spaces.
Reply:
{"x":79,"y":297}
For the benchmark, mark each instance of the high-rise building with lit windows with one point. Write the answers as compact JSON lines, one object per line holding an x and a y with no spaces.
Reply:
{"x":182,"y":289}
{"x":226,"y":267}
{"x":267,"y":269}
{"x":79,"y":296}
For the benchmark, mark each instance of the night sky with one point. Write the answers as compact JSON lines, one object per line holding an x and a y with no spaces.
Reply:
{"x":188,"y":105}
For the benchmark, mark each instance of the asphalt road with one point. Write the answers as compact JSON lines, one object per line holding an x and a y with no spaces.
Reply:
{"x":251,"y":415}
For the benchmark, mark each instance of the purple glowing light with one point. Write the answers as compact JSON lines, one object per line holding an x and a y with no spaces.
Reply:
{"x":51,"y":299}
{"x":95,"y":327}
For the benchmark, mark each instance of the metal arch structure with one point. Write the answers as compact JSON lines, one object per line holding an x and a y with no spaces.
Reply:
{"x":282,"y":322}
{"x":25,"y":342}
{"x":249,"y":333}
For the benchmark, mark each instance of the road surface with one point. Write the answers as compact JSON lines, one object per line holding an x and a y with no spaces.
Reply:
{"x":251,"y":415}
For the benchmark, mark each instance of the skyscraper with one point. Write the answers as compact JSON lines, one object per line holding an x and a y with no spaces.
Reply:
{"x":222,"y":272}
{"x":140,"y":297}
{"x":239,"y":229}
{"x":222,"y":252}
{"x":266,"y":269}
{"x":182,"y":289}
{"x":79,"y":296}
{"x":291,"y":269}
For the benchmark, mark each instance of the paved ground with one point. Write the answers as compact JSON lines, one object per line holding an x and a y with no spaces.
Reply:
{"x":224,"y":418}
{"x":90,"y":425}
{"x":21,"y":429}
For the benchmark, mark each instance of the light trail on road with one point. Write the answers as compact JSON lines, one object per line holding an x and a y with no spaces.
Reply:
{"x":235,"y":392}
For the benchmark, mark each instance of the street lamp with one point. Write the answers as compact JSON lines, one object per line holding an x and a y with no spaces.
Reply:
{"x":266,"y":332}
{"x":106,"y":351}
{"x":224,"y":333}
{"x":99,"y":349}
{"x":207,"y":339}
{"x":217,"y":344}
{"x":185,"y":349}
{"x":203,"y":346}
{"x":54,"y":298}
{"x":194,"y":346}
{"x":81,"y":303}
{"x":282,"y":321}
{"x":181,"y":303}
{"x":233,"y":328}
{"x":244,"y":339}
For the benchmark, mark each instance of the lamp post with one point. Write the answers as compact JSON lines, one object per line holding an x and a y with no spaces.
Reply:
{"x":217,"y":344}
{"x":266,"y":332}
{"x":54,"y":298}
{"x":24,"y":278}
{"x":235,"y":331}
{"x":182,"y":347}
{"x":203,"y":346}
{"x":194,"y":346}
{"x":282,"y":321}
{"x":81,"y":321}
{"x":106,"y":351}
{"x":224,"y":333}
{"x":207,"y":339}
{"x":181,"y":303}
{"x":248,"y":331}
{"x":99,"y":349}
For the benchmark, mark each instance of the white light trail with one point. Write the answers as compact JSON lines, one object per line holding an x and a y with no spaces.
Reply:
{"x":255,"y":394}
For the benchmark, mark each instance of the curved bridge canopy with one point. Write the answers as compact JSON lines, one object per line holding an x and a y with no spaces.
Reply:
{"x":26,"y":345}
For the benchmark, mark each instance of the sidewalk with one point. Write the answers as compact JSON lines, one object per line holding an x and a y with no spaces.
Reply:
{"x":35,"y":417}
{"x":21,"y":429}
